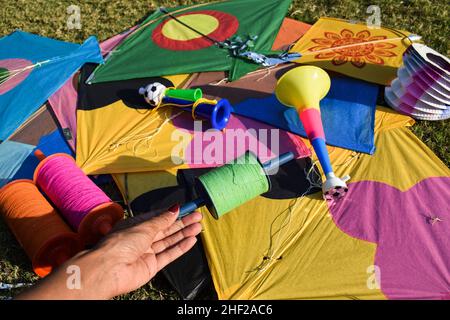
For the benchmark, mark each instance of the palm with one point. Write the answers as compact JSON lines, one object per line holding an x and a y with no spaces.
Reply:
{"x":141,"y":250}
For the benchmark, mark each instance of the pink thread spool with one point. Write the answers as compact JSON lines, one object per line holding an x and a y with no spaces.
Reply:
{"x":85,"y":206}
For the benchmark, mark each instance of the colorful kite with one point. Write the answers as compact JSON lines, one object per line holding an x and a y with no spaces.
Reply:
{"x":354,"y":49}
{"x":204,"y":37}
{"x":31,"y":69}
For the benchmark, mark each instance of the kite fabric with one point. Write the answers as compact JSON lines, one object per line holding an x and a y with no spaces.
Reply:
{"x":39,"y":131}
{"x":162,"y":45}
{"x":357,"y":248}
{"x":52,"y":143}
{"x":17,"y":160}
{"x":33,"y":68}
{"x":41,"y":123}
{"x":64,"y":101}
{"x":388,"y":238}
{"x":12,"y":155}
{"x":145,"y":140}
{"x":350,"y":104}
{"x":156,"y":191}
{"x":140,"y":141}
{"x":17,"y":150}
{"x":290,"y":31}
{"x":332,"y":44}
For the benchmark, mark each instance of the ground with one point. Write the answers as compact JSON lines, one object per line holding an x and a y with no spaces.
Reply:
{"x":104,"y":18}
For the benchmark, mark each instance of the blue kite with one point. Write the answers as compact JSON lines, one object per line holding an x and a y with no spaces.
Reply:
{"x":32,"y":68}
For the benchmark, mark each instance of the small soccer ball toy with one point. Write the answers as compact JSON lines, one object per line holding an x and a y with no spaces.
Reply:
{"x":153,"y":93}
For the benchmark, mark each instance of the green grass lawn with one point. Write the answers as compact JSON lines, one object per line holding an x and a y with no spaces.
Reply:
{"x":104,"y":18}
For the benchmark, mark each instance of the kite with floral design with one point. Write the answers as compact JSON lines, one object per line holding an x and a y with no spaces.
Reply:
{"x":353,"y":49}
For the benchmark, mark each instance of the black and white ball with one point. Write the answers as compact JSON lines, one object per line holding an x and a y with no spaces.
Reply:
{"x":153,"y":93}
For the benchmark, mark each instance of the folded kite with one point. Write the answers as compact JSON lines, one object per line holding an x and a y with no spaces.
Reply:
{"x":31,"y":69}
{"x":354,"y":49}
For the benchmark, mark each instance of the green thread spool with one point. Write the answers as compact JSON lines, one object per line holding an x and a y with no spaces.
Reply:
{"x":233,"y":184}
{"x":184,"y":94}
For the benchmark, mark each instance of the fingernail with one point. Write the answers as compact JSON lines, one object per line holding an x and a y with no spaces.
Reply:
{"x":174,"y":209}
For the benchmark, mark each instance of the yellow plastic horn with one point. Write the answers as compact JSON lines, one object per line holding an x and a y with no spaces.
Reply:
{"x":303,"y":87}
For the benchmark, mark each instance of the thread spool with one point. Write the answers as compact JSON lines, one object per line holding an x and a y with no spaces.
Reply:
{"x":86,"y":208}
{"x":227,"y":187}
{"x":233,"y":184}
{"x":45,"y":237}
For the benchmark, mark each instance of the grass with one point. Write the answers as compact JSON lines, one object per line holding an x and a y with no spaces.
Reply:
{"x":105,"y":18}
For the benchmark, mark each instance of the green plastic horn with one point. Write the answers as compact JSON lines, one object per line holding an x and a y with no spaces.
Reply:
{"x":184,"y":94}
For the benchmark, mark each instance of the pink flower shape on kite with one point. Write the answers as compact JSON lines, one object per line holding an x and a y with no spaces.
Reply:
{"x":342,"y":48}
{"x":411,"y":230}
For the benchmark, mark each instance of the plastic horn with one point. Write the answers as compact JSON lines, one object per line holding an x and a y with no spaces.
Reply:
{"x":269,"y":167}
{"x":217,"y":112}
{"x":184,"y":94}
{"x":302,"y":88}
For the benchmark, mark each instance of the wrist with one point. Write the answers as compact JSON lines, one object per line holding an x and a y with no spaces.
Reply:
{"x":78,"y":278}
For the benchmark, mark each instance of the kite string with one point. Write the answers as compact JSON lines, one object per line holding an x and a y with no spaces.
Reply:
{"x":147,"y":137}
{"x":275,"y":241}
{"x":15,"y":72}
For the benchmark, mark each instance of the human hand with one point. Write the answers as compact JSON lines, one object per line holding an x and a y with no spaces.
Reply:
{"x":124,"y":260}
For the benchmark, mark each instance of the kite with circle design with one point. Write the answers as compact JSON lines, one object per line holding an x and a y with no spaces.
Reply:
{"x":196,"y":38}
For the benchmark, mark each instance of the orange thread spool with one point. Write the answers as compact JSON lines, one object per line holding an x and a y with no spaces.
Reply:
{"x":43,"y":234}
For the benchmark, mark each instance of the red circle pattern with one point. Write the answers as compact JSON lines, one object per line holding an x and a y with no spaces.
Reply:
{"x":228,"y":26}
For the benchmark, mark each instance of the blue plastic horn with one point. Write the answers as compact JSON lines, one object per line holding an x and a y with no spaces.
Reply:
{"x":218,"y":114}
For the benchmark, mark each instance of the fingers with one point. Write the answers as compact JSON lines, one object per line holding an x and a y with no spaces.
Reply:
{"x":167,"y":256}
{"x":162,"y":222}
{"x":179,"y":225}
{"x":189,"y":231}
